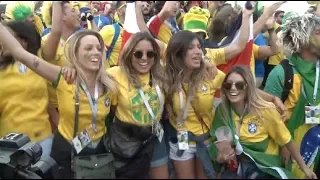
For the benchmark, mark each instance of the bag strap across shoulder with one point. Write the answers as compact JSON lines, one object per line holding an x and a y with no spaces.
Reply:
{"x":288,"y":79}
{"x":200,"y":119}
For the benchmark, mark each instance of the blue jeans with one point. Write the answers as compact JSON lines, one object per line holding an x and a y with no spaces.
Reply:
{"x":160,"y":154}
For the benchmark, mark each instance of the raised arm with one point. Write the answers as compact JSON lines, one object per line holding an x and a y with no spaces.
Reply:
{"x":267,"y":13}
{"x":234,"y":49}
{"x":267,"y":51}
{"x":49,"y":49}
{"x":143,"y":27}
{"x":38,"y":65}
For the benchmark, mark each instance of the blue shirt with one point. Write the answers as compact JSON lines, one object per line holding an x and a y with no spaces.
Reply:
{"x":259,"y":66}
{"x":101,"y":21}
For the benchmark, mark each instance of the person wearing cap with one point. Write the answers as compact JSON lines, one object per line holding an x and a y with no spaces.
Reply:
{"x":23,"y":11}
{"x":300,"y":38}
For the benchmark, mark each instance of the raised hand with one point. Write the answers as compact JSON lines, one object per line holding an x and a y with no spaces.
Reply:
{"x":270,"y":10}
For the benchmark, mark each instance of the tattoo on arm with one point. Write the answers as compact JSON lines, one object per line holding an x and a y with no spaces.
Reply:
{"x":35,"y":62}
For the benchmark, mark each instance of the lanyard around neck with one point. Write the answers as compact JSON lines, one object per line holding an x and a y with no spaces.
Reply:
{"x":180,"y":122}
{"x":146,"y":103}
{"x":93,"y":103}
{"x":315,"y":89}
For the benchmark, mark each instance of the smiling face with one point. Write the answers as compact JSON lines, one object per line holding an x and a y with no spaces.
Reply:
{"x":90,"y":53}
{"x":193,"y":55}
{"x":235,"y":88}
{"x":71,"y":16}
{"x":143,"y":57}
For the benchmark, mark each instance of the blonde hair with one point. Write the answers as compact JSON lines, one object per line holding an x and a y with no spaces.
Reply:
{"x":297,"y":32}
{"x":126,"y":56}
{"x":70,"y":51}
{"x":253,"y":99}
{"x":175,"y":65}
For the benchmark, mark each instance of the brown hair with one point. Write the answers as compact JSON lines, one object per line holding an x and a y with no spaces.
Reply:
{"x":175,"y":64}
{"x":253,"y":99}
{"x":156,"y":70}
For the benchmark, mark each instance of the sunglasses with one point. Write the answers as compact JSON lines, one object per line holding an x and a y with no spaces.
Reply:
{"x":139,"y":54}
{"x":239,"y":85}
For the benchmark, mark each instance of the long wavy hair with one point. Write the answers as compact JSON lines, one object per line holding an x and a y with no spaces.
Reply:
{"x":71,"y":50}
{"x":176,"y":52}
{"x":252,"y":98}
{"x":25,"y":31}
{"x":297,"y":32}
{"x":126,"y":56}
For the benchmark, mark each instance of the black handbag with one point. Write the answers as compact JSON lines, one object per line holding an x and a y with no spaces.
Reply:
{"x":97,"y":166}
{"x":126,"y":140}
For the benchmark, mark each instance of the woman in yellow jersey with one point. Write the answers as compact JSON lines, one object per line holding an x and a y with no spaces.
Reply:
{"x":190,"y":97}
{"x":138,"y":107}
{"x":23,"y":93}
{"x":85,"y":51}
{"x":251,"y":146}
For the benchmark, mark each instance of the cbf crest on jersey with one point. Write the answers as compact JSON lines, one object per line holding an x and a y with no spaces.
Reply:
{"x":22,"y":68}
{"x":252,"y":128}
{"x":107,"y":102}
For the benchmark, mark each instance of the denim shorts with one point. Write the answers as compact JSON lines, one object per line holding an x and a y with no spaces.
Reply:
{"x":160,"y":154}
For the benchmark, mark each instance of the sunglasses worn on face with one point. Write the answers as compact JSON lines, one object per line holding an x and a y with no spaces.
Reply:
{"x":239,"y":85}
{"x":139,"y":54}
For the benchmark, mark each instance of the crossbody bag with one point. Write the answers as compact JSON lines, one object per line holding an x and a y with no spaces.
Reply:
{"x":97,"y":166}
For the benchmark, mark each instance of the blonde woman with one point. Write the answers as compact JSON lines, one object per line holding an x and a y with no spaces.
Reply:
{"x":257,"y":131}
{"x":85,"y":51}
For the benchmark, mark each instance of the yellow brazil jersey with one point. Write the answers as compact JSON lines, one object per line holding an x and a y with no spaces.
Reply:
{"x":107,"y":33}
{"x":59,"y":60}
{"x":276,"y":59}
{"x":23,"y":103}
{"x":216,"y":56}
{"x":130,"y":107}
{"x":203,"y":101}
{"x":255,"y":54}
{"x":258,"y":128}
{"x":160,"y":29}
{"x":66,"y":98}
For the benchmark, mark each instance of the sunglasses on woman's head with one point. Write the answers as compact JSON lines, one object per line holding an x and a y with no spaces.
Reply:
{"x":139,"y":54}
{"x":239,"y":85}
